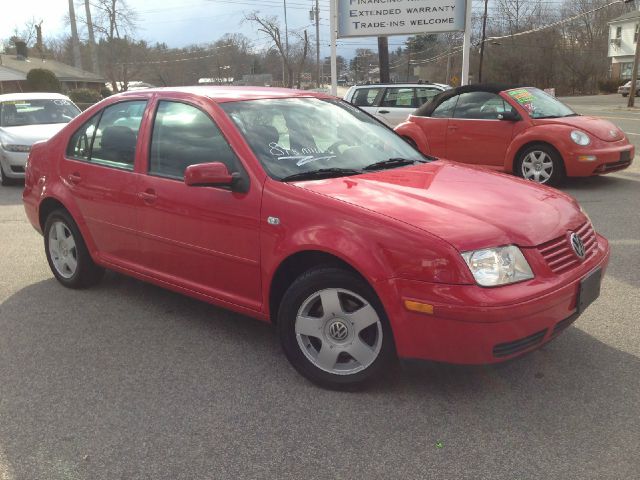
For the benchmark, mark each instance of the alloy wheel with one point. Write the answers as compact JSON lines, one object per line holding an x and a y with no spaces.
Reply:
{"x":338,"y":331}
{"x":537,"y":166}
{"x":62,"y":249}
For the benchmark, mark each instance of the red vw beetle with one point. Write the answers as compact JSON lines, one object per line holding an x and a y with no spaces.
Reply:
{"x":301,"y":210}
{"x":523,"y":131}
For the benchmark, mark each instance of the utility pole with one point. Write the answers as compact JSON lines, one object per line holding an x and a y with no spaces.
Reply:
{"x":316,"y":14}
{"x":408,"y":63}
{"x":383,"y":59}
{"x":92,"y":38}
{"x":484,"y":37}
{"x":75,"y":43}
{"x":634,"y":73}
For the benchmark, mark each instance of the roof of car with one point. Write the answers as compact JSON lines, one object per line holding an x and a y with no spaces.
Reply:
{"x":414,"y":84}
{"x":233,"y":94}
{"x":426,"y":109}
{"x":8,"y":97}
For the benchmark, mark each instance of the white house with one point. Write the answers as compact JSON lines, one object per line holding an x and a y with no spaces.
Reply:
{"x":623,"y":35}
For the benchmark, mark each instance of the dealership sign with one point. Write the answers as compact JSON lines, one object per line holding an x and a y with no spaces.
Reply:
{"x":373,"y":18}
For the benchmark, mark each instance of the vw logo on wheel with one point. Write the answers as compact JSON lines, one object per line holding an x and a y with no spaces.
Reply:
{"x":338,"y":331}
{"x":577,"y":245}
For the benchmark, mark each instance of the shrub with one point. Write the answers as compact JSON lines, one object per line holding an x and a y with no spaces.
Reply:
{"x":608,"y":86}
{"x":43,"y":80}
{"x":105,"y":92}
{"x":85,"y":95}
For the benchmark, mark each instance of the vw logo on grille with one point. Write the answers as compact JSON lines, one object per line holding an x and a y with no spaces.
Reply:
{"x":338,"y":331}
{"x":577,"y":245}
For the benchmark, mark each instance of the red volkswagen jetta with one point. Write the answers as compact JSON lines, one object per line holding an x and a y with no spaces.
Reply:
{"x":298,"y":209}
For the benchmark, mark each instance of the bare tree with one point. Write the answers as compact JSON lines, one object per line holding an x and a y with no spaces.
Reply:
{"x":271,"y":27}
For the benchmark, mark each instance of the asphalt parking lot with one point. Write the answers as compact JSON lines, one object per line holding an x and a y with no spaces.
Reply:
{"x":126,"y":380}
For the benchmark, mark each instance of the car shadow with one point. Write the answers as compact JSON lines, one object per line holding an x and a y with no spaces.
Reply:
{"x":127,"y":380}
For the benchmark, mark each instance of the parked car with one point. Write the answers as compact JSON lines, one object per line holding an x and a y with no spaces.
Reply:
{"x":393,"y":103}
{"x":523,"y":131}
{"x":26,"y":118}
{"x":626,"y":88}
{"x":355,"y":245}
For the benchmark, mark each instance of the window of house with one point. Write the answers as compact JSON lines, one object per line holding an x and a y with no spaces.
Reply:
{"x":618,"y":32}
{"x":184,"y":135}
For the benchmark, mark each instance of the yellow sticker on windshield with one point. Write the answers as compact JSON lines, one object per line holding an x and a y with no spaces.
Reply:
{"x":521,"y":95}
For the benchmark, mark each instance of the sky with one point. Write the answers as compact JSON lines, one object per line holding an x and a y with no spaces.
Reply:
{"x":181,"y":23}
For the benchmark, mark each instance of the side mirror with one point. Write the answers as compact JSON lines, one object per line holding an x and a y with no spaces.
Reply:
{"x":509,"y":116}
{"x":213,"y":174}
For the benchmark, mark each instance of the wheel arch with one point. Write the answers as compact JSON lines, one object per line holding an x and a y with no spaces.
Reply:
{"x":296,"y":264}
{"x":47,"y":206}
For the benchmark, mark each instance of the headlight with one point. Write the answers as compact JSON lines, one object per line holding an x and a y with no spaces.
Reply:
{"x":16,"y":148}
{"x":498,"y":266}
{"x":580,"y":138}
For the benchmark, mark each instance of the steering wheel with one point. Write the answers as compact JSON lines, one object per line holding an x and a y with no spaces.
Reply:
{"x":333,"y":148}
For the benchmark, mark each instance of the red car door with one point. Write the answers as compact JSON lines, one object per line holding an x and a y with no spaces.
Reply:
{"x":98,"y":169}
{"x":205,"y":239}
{"x":435,"y":127}
{"x":475,"y":134}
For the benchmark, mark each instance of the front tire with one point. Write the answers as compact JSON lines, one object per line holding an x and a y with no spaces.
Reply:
{"x":4,"y":180}
{"x":67,"y":253}
{"x":333,"y":328}
{"x":541,"y":164}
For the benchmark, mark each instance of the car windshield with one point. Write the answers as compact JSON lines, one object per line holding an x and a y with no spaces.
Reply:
{"x":296,"y":136}
{"x":539,"y":104}
{"x":16,"y":113}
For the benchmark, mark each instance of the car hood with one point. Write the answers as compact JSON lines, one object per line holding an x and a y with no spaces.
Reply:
{"x":470,"y":208}
{"x":29,"y":134}
{"x":599,"y":128}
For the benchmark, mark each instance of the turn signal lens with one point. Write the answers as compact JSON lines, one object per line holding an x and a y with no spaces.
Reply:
{"x":418,"y":307}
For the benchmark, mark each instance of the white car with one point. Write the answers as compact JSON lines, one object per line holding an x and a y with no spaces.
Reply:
{"x":26,"y":118}
{"x":393,"y":103}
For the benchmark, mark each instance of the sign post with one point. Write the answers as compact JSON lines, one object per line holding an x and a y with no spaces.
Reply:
{"x":466,"y":45}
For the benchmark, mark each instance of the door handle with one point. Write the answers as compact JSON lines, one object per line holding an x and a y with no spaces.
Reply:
{"x":452,"y":127}
{"x":383,"y":111}
{"x":148,"y":196}
{"x":74,"y":178}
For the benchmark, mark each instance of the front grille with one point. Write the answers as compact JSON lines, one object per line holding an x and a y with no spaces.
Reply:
{"x":559,"y":255}
{"x":17,"y":169}
{"x":509,"y":348}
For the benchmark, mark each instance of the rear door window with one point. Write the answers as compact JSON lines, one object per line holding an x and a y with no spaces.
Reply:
{"x":399,"y":98}
{"x":110,"y":137}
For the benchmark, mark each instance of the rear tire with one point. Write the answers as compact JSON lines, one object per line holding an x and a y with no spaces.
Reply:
{"x":333,"y":328}
{"x":67,"y":252}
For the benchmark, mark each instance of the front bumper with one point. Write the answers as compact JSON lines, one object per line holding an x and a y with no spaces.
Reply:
{"x":475,"y":325}
{"x":609,"y":158}
{"x":13,"y":163}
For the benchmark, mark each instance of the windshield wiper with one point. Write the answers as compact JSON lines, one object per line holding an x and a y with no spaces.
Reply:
{"x":392,"y":162}
{"x":322,"y":173}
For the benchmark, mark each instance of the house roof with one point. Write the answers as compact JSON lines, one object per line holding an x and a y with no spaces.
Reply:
{"x":10,"y":75}
{"x":627,"y":16}
{"x":64,"y":73}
